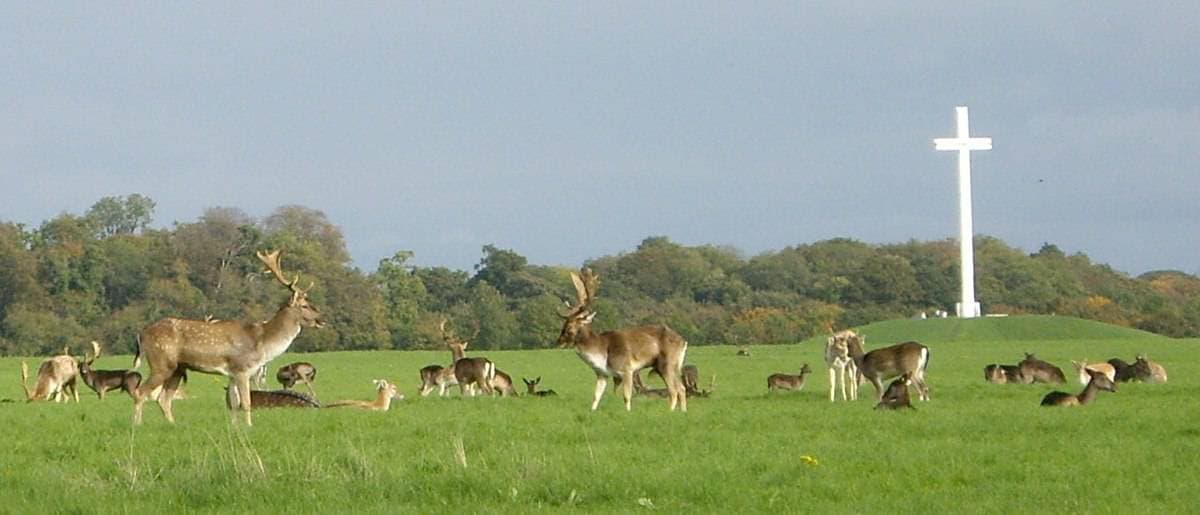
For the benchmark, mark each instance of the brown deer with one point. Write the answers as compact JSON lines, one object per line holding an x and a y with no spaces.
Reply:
{"x":777,"y":382}
{"x":298,"y":372}
{"x":531,"y":388}
{"x":474,"y":375}
{"x":502,"y":384}
{"x":1148,"y":371}
{"x":445,"y":376}
{"x":429,"y":379}
{"x":1034,"y":370}
{"x":56,"y":378}
{"x":1099,"y":381}
{"x":101,"y":381}
{"x":1124,"y":371}
{"x":234,"y":349}
{"x":278,"y":399}
{"x":1002,"y":374}
{"x":885,"y":363}
{"x":383,"y":400}
{"x":1081,"y":368}
{"x":896,"y":396}
{"x":622,"y":352}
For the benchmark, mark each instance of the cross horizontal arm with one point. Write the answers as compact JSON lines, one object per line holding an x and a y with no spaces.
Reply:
{"x":962,"y":143}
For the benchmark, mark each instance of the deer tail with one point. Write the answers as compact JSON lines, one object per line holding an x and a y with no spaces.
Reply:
{"x":137,"y":352}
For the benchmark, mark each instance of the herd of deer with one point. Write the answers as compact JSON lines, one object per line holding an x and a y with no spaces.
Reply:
{"x":241,"y":351}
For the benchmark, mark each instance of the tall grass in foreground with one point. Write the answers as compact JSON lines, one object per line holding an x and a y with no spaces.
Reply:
{"x":975,"y":447}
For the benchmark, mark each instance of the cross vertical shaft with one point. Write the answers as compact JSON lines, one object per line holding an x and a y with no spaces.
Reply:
{"x":964,"y":144}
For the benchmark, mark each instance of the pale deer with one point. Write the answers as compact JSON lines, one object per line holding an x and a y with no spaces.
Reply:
{"x":383,"y":399}
{"x":502,"y":384}
{"x":896,"y":396}
{"x":298,"y":372}
{"x":777,"y":382}
{"x":531,"y":388}
{"x":841,"y":364}
{"x":101,"y":381}
{"x":1034,"y":370}
{"x":173,"y":346}
{"x":885,"y":363}
{"x":56,"y":379}
{"x":1099,"y":381}
{"x":1081,"y":368}
{"x":278,"y":399}
{"x":1148,"y":371}
{"x":622,"y":352}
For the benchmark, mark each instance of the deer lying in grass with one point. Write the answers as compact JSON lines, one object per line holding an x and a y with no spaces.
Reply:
{"x":1082,"y":368}
{"x":1034,"y":370}
{"x":172,"y":346}
{"x":621,"y":352}
{"x":277,"y":399}
{"x":298,"y":372}
{"x":101,"y":381}
{"x":1124,"y":371}
{"x":896,"y":396}
{"x":56,"y":379}
{"x":885,"y":363}
{"x":1003,"y":374}
{"x":1099,"y":381}
{"x":383,"y":400}
{"x":1148,"y":371}
{"x":531,"y":388}
{"x":777,"y":382}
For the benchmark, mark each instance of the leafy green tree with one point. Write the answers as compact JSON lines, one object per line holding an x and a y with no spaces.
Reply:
{"x":403,"y":294}
{"x":111,"y":216}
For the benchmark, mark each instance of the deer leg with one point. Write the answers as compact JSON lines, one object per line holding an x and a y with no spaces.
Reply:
{"x":310,"y":387}
{"x":627,"y":389}
{"x":146,"y":389}
{"x":601,"y":385}
{"x":833,"y":375}
{"x":878,"y":382}
{"x":244,"y":396}
{"x":167,"y":395}
{"x":675,"y":389}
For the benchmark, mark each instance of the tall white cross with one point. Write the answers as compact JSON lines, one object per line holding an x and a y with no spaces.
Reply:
{"x":964,"y":144}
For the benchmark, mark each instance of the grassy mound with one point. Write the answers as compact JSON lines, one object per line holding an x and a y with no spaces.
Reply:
{"x":995,"y":329}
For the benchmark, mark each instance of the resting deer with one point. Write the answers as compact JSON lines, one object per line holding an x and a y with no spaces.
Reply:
{"x":1034,"y":370}
{"x":298,"y":372}
{"x":776,"y":382}
{"x":383,"y":400}
{"x":896,"y":396}
{"x":1124,"y":371}
{"x":173,"y":346}
{"x":1148,"y":371}
{"x":278,"y":399}
{"x":101,"y":381}
{"x":56,"y":379}
{"x":622,"y":352}
{"x":1002,"y":374}
{"x":841,"y":364}
{"x":885,"y":363}
{"x":1099,"y":381}
{"x":1081,"y":368}
{"x":531,"y":388}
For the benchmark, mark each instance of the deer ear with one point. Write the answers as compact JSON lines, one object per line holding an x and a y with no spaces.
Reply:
{"x":588,"y":319}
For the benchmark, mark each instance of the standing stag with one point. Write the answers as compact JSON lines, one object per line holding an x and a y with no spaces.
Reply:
{"x":56,"y":378}
{"x":621,"y":352}
{"x":101,"y":381}
{"x":841,"y":364}
{"x":172,"y":346}
{"x":439,"y":377}
{"x":885,"y":363}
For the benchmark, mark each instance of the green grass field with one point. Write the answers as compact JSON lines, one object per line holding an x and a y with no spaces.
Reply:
{"x":976,"y":447}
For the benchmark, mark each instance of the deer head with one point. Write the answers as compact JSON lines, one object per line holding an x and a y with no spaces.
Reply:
{"x":578,"y":317}
{"x":310,"y":316}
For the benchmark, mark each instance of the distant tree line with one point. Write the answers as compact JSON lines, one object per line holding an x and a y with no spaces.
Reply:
{"x":105,"y":274}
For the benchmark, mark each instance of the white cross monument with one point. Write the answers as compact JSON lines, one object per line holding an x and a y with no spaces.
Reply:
{"x":964,"y":144}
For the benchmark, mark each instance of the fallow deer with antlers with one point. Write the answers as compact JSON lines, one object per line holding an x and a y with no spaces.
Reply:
{"x":172,"y":346}
{"x":622,"y":352}
{"x":101,"y":381}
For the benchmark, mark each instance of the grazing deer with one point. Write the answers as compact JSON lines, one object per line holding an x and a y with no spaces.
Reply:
{"x":622,"y":352}
{"x":56,"y":379}
{"x":278,"y":399}
{"x":1124,"y":371}
{"x":1099,"y":381}
{"x":896,"y":396}
{"x":776,"y":382}
{"x":474,"y":375}
{"x":885,"y":363}
{"x":383,"y":400}
{"x":502,"y":384}
{"x":1034,"y":370}
{"x":173,"y":346}
{"x":531,"y":388}
{"x":1081,"y":368}
{"x":841,"y":364}
{"x":1148,"y":371}
{"x":298,"y":372}
{"x":429,"y":379}
{"x":743,"y":352}
{"x":1003,"y":374}
{"x":101,"y":381}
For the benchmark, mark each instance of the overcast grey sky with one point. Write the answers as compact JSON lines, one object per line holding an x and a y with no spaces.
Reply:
{"x":567,"y":130}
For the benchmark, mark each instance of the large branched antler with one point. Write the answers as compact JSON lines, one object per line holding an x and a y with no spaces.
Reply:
{"x":586,"y":284}
{"x":271,"y":259}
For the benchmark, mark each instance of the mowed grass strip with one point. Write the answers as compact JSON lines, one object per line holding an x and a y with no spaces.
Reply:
{"x":975,"y":447}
